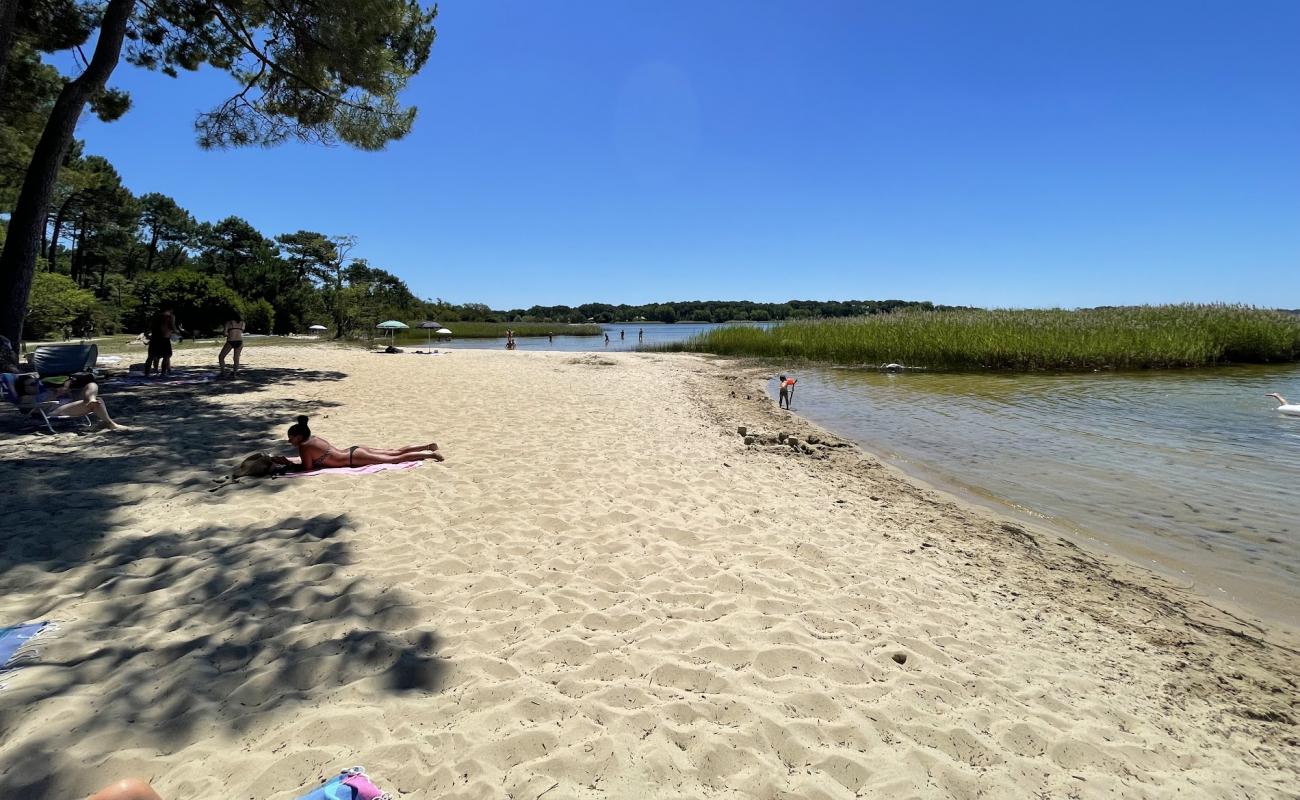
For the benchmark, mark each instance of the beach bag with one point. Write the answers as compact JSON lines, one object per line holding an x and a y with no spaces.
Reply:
{"x":350,"y":784}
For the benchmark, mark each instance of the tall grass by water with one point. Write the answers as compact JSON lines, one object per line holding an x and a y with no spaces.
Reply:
{"x":1128,"y":337}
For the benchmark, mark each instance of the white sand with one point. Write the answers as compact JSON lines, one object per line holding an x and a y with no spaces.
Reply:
{"x":602,"y":593}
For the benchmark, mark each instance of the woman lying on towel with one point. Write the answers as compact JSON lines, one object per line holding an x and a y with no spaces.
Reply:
{"x":316,"y":453}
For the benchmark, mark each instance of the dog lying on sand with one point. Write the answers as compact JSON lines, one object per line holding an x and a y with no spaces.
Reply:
{"x":258,"y":465}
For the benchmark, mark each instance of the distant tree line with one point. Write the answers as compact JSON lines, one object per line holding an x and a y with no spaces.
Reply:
{"x":711,"y":311}
{"x":110,"y":259}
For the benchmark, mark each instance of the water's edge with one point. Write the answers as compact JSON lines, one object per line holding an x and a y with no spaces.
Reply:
{"x":1275,"y":624}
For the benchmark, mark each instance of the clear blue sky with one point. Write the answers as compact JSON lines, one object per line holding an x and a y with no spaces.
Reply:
{"x":989,"y":153}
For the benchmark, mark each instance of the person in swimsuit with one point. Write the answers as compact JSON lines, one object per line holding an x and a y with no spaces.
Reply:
{"x":786,"y":394}
{"x":234,"y":342}
{"x":160,"y":343}
{"x":315,"y":453}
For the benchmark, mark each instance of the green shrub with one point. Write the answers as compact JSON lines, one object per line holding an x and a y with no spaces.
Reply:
{"x":259,"y":316}
{"x":58,"y":307}
{"x":202,"y":303}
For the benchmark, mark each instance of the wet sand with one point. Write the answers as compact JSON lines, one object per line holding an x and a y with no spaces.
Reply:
{"x":604,"y":592}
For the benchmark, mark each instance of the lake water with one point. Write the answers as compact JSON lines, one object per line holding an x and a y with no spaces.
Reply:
{"x":655,"y":333}
{"x":1191,"y":472}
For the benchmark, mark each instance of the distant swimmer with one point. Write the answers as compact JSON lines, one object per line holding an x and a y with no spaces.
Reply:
{"x":607,"y":338}
{"x":787,"y":392}
{"x":640,"y":335}
{"x":622,"y":334}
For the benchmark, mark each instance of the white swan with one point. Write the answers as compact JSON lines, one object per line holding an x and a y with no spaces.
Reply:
{"x":1282,"y":405}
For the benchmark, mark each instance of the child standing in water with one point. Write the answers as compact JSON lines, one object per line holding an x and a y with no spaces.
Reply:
{"x":787,"y":392}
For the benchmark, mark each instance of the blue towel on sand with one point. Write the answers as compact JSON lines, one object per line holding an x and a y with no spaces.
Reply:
{"x":14,"y":637}
{"x":334,"y":790}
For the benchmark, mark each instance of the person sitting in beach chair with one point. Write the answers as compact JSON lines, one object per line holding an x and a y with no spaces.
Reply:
{"x":34,"y":398}
{"x":315,"y":453}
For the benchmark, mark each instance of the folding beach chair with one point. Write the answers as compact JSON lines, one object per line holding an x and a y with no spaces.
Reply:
{"x":9,"y":388}
{"x":63,"y":359}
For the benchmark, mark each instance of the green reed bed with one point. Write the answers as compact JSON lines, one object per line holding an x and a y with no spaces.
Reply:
{"x":1129,"y":337}
{"x":494,"y":330}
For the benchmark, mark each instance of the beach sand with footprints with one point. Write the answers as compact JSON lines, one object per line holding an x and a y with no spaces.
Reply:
{"x":603,"y":592}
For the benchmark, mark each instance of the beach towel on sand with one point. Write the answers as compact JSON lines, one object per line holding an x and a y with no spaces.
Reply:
{"x":14,"y":644}
{"x":352,"y":470}
{"x":181,"y":379}
{"x":351,"y":784}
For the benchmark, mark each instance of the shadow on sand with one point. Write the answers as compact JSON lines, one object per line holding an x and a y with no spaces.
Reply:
{"x":70,"y":484}
{"x":180,"y":634}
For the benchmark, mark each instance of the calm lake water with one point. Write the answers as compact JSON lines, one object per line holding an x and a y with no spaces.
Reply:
{"x":1191,"y":472}
{"x":655,"y":333}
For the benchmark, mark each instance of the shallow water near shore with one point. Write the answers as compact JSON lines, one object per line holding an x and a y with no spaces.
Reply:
{"x":622,"y":336}
{"x":1191,"y":473}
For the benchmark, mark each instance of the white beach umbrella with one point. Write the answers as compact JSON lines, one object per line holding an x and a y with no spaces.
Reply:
{"x":443,"y":332}
{"x":317,"y":328}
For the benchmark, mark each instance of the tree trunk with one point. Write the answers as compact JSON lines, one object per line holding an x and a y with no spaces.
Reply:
{"x":53,"y":256}
{"x":8,"y":23}
{"x":18,"y":261}
{"x":153,"y":249}
{"x":78,"y":238}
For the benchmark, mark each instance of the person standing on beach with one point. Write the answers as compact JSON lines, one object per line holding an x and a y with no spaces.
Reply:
{"x":786,"y":394}
{"x":234,"y":342}
{"x":160,"y":343}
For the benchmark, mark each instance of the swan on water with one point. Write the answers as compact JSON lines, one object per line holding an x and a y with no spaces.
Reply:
{"x":1283,"y":406}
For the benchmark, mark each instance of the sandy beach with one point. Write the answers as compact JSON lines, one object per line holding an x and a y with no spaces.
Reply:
{"x":603,"y":593}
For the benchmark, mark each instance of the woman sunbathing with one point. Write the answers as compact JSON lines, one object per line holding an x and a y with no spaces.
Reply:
{"x":315,"y":453}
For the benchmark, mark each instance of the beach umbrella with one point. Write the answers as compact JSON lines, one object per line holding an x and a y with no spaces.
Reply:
{"x":317,"y":328}
{"x":392,"y":326}
{"x":443,"y":332}
{"x":429,"y":327}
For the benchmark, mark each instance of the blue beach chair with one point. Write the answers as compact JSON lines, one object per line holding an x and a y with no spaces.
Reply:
{"x":63,"y":359}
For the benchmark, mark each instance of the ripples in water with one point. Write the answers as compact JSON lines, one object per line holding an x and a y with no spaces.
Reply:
{"x":1192,"y":472}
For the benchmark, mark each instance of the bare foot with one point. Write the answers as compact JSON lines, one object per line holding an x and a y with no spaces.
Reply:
{"x":436,"y":456}
{"x":115,"y":428}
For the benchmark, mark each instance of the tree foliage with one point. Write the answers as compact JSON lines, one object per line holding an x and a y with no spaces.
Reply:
{"x":58,"y":307}
{"x":309,"y":70}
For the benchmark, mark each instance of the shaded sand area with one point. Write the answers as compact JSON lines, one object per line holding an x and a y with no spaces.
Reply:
{"x":602,"y":593}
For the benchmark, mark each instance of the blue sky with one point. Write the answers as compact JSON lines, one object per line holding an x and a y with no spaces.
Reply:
{"x":987,"y":153}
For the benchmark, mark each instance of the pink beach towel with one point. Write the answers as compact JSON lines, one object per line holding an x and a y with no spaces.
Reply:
{"x":366,"y":470}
